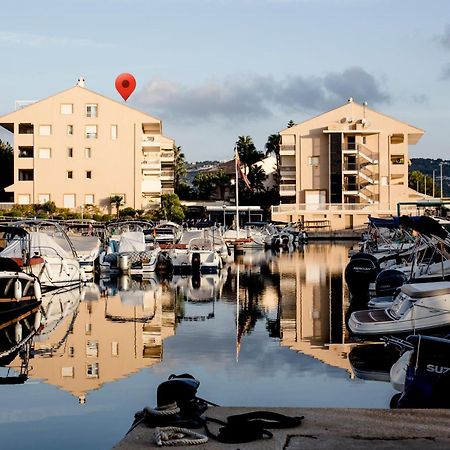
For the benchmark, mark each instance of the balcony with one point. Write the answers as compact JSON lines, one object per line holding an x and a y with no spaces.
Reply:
{"x":150,"y":141}
{"x":287,"y":171}
{"x":287,"y":150}
{"x":167,"y":156}
{"x":167,"y":175}
{"x":287,"y":190}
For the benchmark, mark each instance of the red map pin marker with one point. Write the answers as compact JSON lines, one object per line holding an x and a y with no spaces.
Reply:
{"x":125,"y":85}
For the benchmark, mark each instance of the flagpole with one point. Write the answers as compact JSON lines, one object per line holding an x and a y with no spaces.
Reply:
{"x":236,"y":159}
{"x":237,"y":312}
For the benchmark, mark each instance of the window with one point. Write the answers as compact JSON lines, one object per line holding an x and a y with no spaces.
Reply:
{"x":66,"y":108}
{"x":67,"y":372}
{"x":26,"y":128}
{"x":398,"y":159}
{"x":69,"y":152}
{"x":88,"y":152}
{"x":114,"y":348}
{"x":23,"y":199}
{"x":91,"y":131}
{"x":89,"y":199}
{"x":91,"y":110}
{"x":92,"y":348}
{"x":113,"y":132}
{"x":88,"y":328}
{"x":45,"y":153}
{"x":45,"y":130}
{"x":313,"y":161}
{"x":69,"y":200}
{"x":92,"y":370}
{"x":70,"y":175}
{"x":71,"y":352}
{"x":26,"y":152}
{"x":89,"y":174}
{"x":364,"y":140}
{"x":26,"y":174}
{"x":69,"y":130}
{"x":43,"y":198}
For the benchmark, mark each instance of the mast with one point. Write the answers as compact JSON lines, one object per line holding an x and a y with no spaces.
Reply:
{"x":236,"y":162}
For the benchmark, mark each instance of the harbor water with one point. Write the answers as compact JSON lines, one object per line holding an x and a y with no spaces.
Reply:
{"x":267,"y":331}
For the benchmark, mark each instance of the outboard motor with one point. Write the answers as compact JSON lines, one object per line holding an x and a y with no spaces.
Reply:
{"x":361,"y":270}
{"x":388,"y":281}
{"x":196,"y":260}
{"x":427,"y":383}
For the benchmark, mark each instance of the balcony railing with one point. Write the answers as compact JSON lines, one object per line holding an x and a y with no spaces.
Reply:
{"x":381,"y":208}
{"x":167,"y":173}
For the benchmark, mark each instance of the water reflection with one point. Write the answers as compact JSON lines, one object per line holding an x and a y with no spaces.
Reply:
{"x":106,"y":331}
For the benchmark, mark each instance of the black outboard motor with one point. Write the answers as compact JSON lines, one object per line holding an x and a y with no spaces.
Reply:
{"x":427,"y":383}
{"x":361,"y":270}
{"x":196,"y":262}
{"x":388,"y":281}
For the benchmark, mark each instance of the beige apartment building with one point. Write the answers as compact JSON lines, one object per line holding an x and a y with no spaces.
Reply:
{"x":81,"y":148}
{"x":341,"y":166}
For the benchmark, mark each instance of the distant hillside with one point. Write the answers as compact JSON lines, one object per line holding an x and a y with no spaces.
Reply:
{"x":428,"y":165}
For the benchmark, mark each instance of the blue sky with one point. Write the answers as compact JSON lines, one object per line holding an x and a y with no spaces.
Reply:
{"x":217,"y":69}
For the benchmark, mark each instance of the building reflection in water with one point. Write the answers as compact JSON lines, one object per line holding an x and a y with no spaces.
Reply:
{"x":303,"y":297}
{"x":115,"y":330}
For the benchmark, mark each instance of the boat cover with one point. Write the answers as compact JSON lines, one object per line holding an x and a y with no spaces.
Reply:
{"x":132,"y":241}
{"x":422,"y":290}
{"x":425,"y":225}
{"x":40,"y":243}
{"x":384,"y":223}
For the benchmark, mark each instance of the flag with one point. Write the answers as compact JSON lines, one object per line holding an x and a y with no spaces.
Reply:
{"x":241,"y":172}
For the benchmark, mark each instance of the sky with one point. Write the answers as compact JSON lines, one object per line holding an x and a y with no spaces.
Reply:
{"x":214,"y":70}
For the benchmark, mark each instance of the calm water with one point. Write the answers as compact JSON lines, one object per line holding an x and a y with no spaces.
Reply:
{"x":268,"y":331}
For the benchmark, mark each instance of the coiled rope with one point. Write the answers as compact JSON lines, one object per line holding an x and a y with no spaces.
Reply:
{"x":171,"y":436}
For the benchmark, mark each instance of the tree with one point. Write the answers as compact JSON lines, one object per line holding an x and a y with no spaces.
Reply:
{"x":222,"y":181}
{"x":179,"y":168}
{"x":417,"y":181}
{"x":116,"y":200}
{"x":204,"y":182}
{"x":273,"y":148}
{"x":171,"y":208}
{"x":291,"y":124}
{"x":7,"y":170}
{"x":247,"y":151}
{"x":256,"y":176}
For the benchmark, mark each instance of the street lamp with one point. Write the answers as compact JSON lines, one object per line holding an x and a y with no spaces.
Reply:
{"x":434,"y":170}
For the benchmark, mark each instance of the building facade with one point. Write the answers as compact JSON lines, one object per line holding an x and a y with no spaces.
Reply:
{"x":344,"y":164}
{"x":80,"y":148}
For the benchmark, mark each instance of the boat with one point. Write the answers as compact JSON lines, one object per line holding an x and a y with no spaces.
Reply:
{"x":195,"y":253}
{"x":130,"y":253}
{"x":42,"y":248}
{"x":417,"y":307}
{"x":426,"y":368}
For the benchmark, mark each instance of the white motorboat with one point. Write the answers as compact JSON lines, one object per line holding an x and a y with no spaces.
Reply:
{"x":42,"y":248}
{"x":130,"y":254}
{"x":417,"y":307}
{"x":195,"y":253}
{"x":88,"y":250}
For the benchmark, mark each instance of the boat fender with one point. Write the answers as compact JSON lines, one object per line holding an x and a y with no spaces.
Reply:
{"x":37,"y":320}
{"x":17,"y":289}
{"x":37,"y":289}
{"x":18,"y":332}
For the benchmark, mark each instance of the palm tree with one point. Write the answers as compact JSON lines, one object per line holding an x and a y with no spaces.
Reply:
{"x":273,"y":147}
{"x":7,"y":165}
{"x":116,"y":200}
{"x":179,"y":167}
{"x":247,"y":151}
{"x":257,"y":176}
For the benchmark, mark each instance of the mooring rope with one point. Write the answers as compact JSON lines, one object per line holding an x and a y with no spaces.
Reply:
{"x":171,"y":436}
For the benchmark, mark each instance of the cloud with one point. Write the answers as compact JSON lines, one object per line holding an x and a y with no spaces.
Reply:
{"x":8,"y":38}
{"x":254,"y":96}
{"x":445,"y":74}
{"x":444,"y":39}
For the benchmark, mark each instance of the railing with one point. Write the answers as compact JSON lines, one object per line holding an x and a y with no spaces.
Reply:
{"x":287,"y":187}
{"x":167,"y":173}
{"x":381,"y":208}
{"x":287,"y":147}
{"x":350,"y":166}
{"x":167,"y":155}
{"x":287,"y":169}
{"x":350,"y":187}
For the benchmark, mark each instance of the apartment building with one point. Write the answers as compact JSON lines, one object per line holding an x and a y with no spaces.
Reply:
{"x":344,"y":164}
{"x":79,"y":147}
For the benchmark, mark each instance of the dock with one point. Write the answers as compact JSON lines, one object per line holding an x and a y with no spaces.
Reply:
{"x":327,"y":428}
